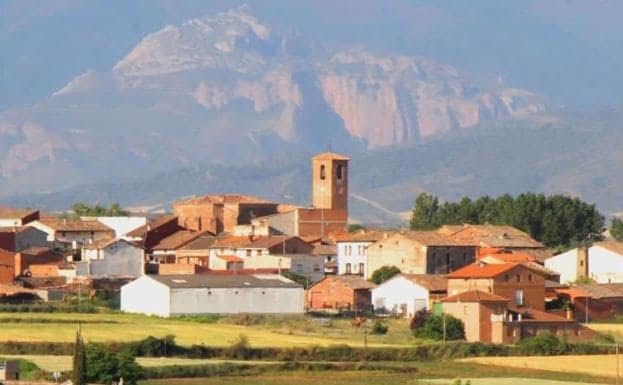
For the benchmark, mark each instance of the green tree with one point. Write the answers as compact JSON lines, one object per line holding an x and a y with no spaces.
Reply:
{"x":433,"y":328}
{"x":128,"y":369}
{"x":105,"y":367}
{"x":556,"y":220}
{"x":80,"y":367}
{"x":616,"y":229}
{"x":384,"y":273}
{"x":425,"y":212}
{"x":81,"y":209}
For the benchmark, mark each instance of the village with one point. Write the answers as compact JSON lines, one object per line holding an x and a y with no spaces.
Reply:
{"x":233,"y":254}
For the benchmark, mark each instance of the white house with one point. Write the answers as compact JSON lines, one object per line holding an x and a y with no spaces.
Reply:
{"x":352,"y":250}
{"x":72,"y":232}
{"x":405,"y":294}
{"x":170,"y":295}
{"x":112,"y":258}
{"x":602,"y":262}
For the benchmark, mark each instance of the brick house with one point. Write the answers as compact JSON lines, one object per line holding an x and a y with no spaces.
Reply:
{"x":418,"y":252}
{"x":524,"y":286}
{"x":7,"y":267}
{"x":339,"y":292}
{"x":489,"y":317}
{"x":219,"y":213}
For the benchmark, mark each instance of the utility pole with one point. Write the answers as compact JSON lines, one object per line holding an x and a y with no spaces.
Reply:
{"x":617,"y":354}
{"x":443,"y":315}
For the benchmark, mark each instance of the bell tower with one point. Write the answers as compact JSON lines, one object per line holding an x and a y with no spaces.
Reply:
{"x":330,"y":181}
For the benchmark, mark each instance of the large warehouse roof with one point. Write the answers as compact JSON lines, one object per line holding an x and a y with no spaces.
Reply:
{"x":224,"y":281}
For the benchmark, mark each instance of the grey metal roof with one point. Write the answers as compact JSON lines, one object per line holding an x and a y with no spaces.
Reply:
{"x":225,"y":281}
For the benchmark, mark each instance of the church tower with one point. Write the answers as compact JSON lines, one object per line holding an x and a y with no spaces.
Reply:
{"x":330,"y":181}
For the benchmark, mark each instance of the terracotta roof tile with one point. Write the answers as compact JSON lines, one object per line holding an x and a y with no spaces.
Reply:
{"x":176,"y":240}
{"x":490,"y":236}
{"x":509,"y":257}
{"x":222,"y":198}
{"x":12,"y":213}
{"x":428,"y":281}
{"x":482,"y":270}
{"x":163,"y":220}
{"x":475,"y":296}
{"x":533,"y":315}
{"x":615,"y":247}
{"x":70,"y":225}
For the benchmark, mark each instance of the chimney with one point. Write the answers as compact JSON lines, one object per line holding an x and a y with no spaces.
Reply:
{"x":582,"y":261}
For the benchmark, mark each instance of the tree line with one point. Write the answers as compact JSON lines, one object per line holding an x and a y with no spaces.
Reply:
{"x":557,"y":221}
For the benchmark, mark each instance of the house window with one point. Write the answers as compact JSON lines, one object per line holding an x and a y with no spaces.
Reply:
{"x":63,"y":234}
{"x":529,"y":277}
{"x":518,"y":277}
{"x":348,"y":268}
{"x":519,"y":300}
{"x":361,"y":268}
{"x":506,"y":278}
{"x":464,"y":257}
{"x":322,"y":172}
{"x":340,"y":172}
{"x":248,"y":253}
{"x":465,"y":310}
{"x":316,"y":268}
{"x":582,"y":263}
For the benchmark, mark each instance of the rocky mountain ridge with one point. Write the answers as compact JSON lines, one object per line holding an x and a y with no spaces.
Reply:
{"x":228,"y":87}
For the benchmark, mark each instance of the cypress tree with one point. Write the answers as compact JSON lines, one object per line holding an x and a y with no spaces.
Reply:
{"x":79,"y":374}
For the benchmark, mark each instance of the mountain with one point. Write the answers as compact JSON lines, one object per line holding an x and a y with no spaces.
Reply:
{"x":232,"y":96}
{"x":229,"y":88}
{"x":569,"y":154}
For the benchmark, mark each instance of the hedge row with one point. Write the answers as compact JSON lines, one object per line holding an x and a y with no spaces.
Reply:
{"x":228,"y":369}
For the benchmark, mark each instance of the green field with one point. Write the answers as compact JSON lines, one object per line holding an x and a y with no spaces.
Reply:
{"x":275,"y":332}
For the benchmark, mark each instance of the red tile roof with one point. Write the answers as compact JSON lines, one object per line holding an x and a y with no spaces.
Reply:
{"x":510,"y":257}
{"x":222,"y":198}
{"x":533,"y":315}
{"x":428,"y":281}
{"x":140,"y":231}
{"x":475,"y":296}
{"x":12,"y":213}
{"x":177,"y":240}
{"x":482,"y":270}
{"x":78,"y":225}
{"x":490,"y":236}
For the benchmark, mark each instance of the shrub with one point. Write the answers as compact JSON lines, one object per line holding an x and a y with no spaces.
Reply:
{"x":383,"y":274}
{"x":418,"y":319}
{"x":240,"y":349}
{"x":433,"y":328}
{"x":379,"y":328}
{"x":105,"y":367}
{"x":544,"y":344}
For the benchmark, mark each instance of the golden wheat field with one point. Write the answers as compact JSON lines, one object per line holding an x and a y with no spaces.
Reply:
{"x":599,"y":365}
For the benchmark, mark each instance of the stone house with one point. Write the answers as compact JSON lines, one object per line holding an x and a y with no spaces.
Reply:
{"x":419,"y":252}
{"x":340,"y":292}
{"x":19,"y":238}
{"x":352,"y":250}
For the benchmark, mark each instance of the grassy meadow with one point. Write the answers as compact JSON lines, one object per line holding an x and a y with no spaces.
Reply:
{"x":269,"y":332}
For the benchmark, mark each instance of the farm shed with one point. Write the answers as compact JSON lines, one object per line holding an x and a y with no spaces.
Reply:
{"x":169,"y":295}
